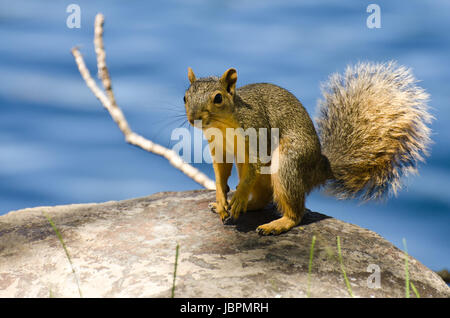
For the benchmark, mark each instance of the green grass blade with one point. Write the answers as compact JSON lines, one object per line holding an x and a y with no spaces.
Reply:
{"x":349,"y":288}
{"x":175,"y":271}
{"x":60,"y":238}
{"x":311,"y":255}
{"x":415,"y":290}
{"x":408,"y":282}
{"x":406,"y":270}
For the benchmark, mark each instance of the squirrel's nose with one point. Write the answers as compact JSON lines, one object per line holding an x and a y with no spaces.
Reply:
{"x":191,"y":118}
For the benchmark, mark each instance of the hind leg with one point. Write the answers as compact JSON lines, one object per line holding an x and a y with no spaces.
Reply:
{"x":261,"y":194}
{"x":292,"y":210}
{"x":288,"y":193}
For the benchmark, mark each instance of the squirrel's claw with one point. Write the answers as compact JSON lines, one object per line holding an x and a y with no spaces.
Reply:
{"x":277,"y":226}
{"x":229,"y":221}
{"x":213,"y":207}
{"x":237,"y":205}
{"x":262,"y":231}
{"x":221,"y":210}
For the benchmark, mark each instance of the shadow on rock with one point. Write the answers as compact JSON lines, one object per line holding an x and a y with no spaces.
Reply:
{"x":250,"y":220}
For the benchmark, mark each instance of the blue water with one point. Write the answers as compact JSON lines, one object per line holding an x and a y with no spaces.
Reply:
{"x":58,"y":146}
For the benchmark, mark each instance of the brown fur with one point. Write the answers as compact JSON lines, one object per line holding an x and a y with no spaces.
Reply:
{"x":372,"y":125}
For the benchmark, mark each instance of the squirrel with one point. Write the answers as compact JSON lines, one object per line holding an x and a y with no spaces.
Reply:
{"x":371,"y":130}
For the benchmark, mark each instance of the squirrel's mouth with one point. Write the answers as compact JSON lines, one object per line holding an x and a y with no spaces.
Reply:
{"x":200,"y":121}
{"x":206,"y":122}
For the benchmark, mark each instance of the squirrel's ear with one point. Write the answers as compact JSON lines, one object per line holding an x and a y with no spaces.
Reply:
{"x":191,"y":75}
{"x":229,"y":79}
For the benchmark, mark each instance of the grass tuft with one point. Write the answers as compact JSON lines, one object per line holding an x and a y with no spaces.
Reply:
{"x":60,"y":238}
{"x":349,"y":288}
{"x":175,"y":270}
{"x":415,"y":290}
{"x":406,"y":270}
{"x":408,"y":283}
{"x":311,"y":255}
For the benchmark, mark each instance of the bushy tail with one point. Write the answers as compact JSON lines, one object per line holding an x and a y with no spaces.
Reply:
{"x":373,"y":129}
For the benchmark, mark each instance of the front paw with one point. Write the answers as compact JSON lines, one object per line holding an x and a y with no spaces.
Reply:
{"x":238,"y":204}
{"x":220,"y":209}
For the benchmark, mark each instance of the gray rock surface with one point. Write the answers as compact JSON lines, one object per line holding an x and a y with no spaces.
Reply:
{"x":127,"y":249}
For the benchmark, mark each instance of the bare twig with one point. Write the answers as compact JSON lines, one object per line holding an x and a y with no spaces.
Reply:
{"x":103,"y":73}
{"x":108,"y":101}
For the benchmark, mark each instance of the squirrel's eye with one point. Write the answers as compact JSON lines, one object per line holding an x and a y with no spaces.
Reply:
{"x":218,"y":98}
{"x":184,"y":99}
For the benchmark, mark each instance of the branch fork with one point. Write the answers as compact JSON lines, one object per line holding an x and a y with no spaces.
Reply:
{"x":108,"y":101}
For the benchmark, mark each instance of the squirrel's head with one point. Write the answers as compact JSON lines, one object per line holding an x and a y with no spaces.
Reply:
{"x":209,"y":99}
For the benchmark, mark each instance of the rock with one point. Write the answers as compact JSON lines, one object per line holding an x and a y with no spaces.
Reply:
{"x":445,"y":275}
{"x":127,"y":249}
